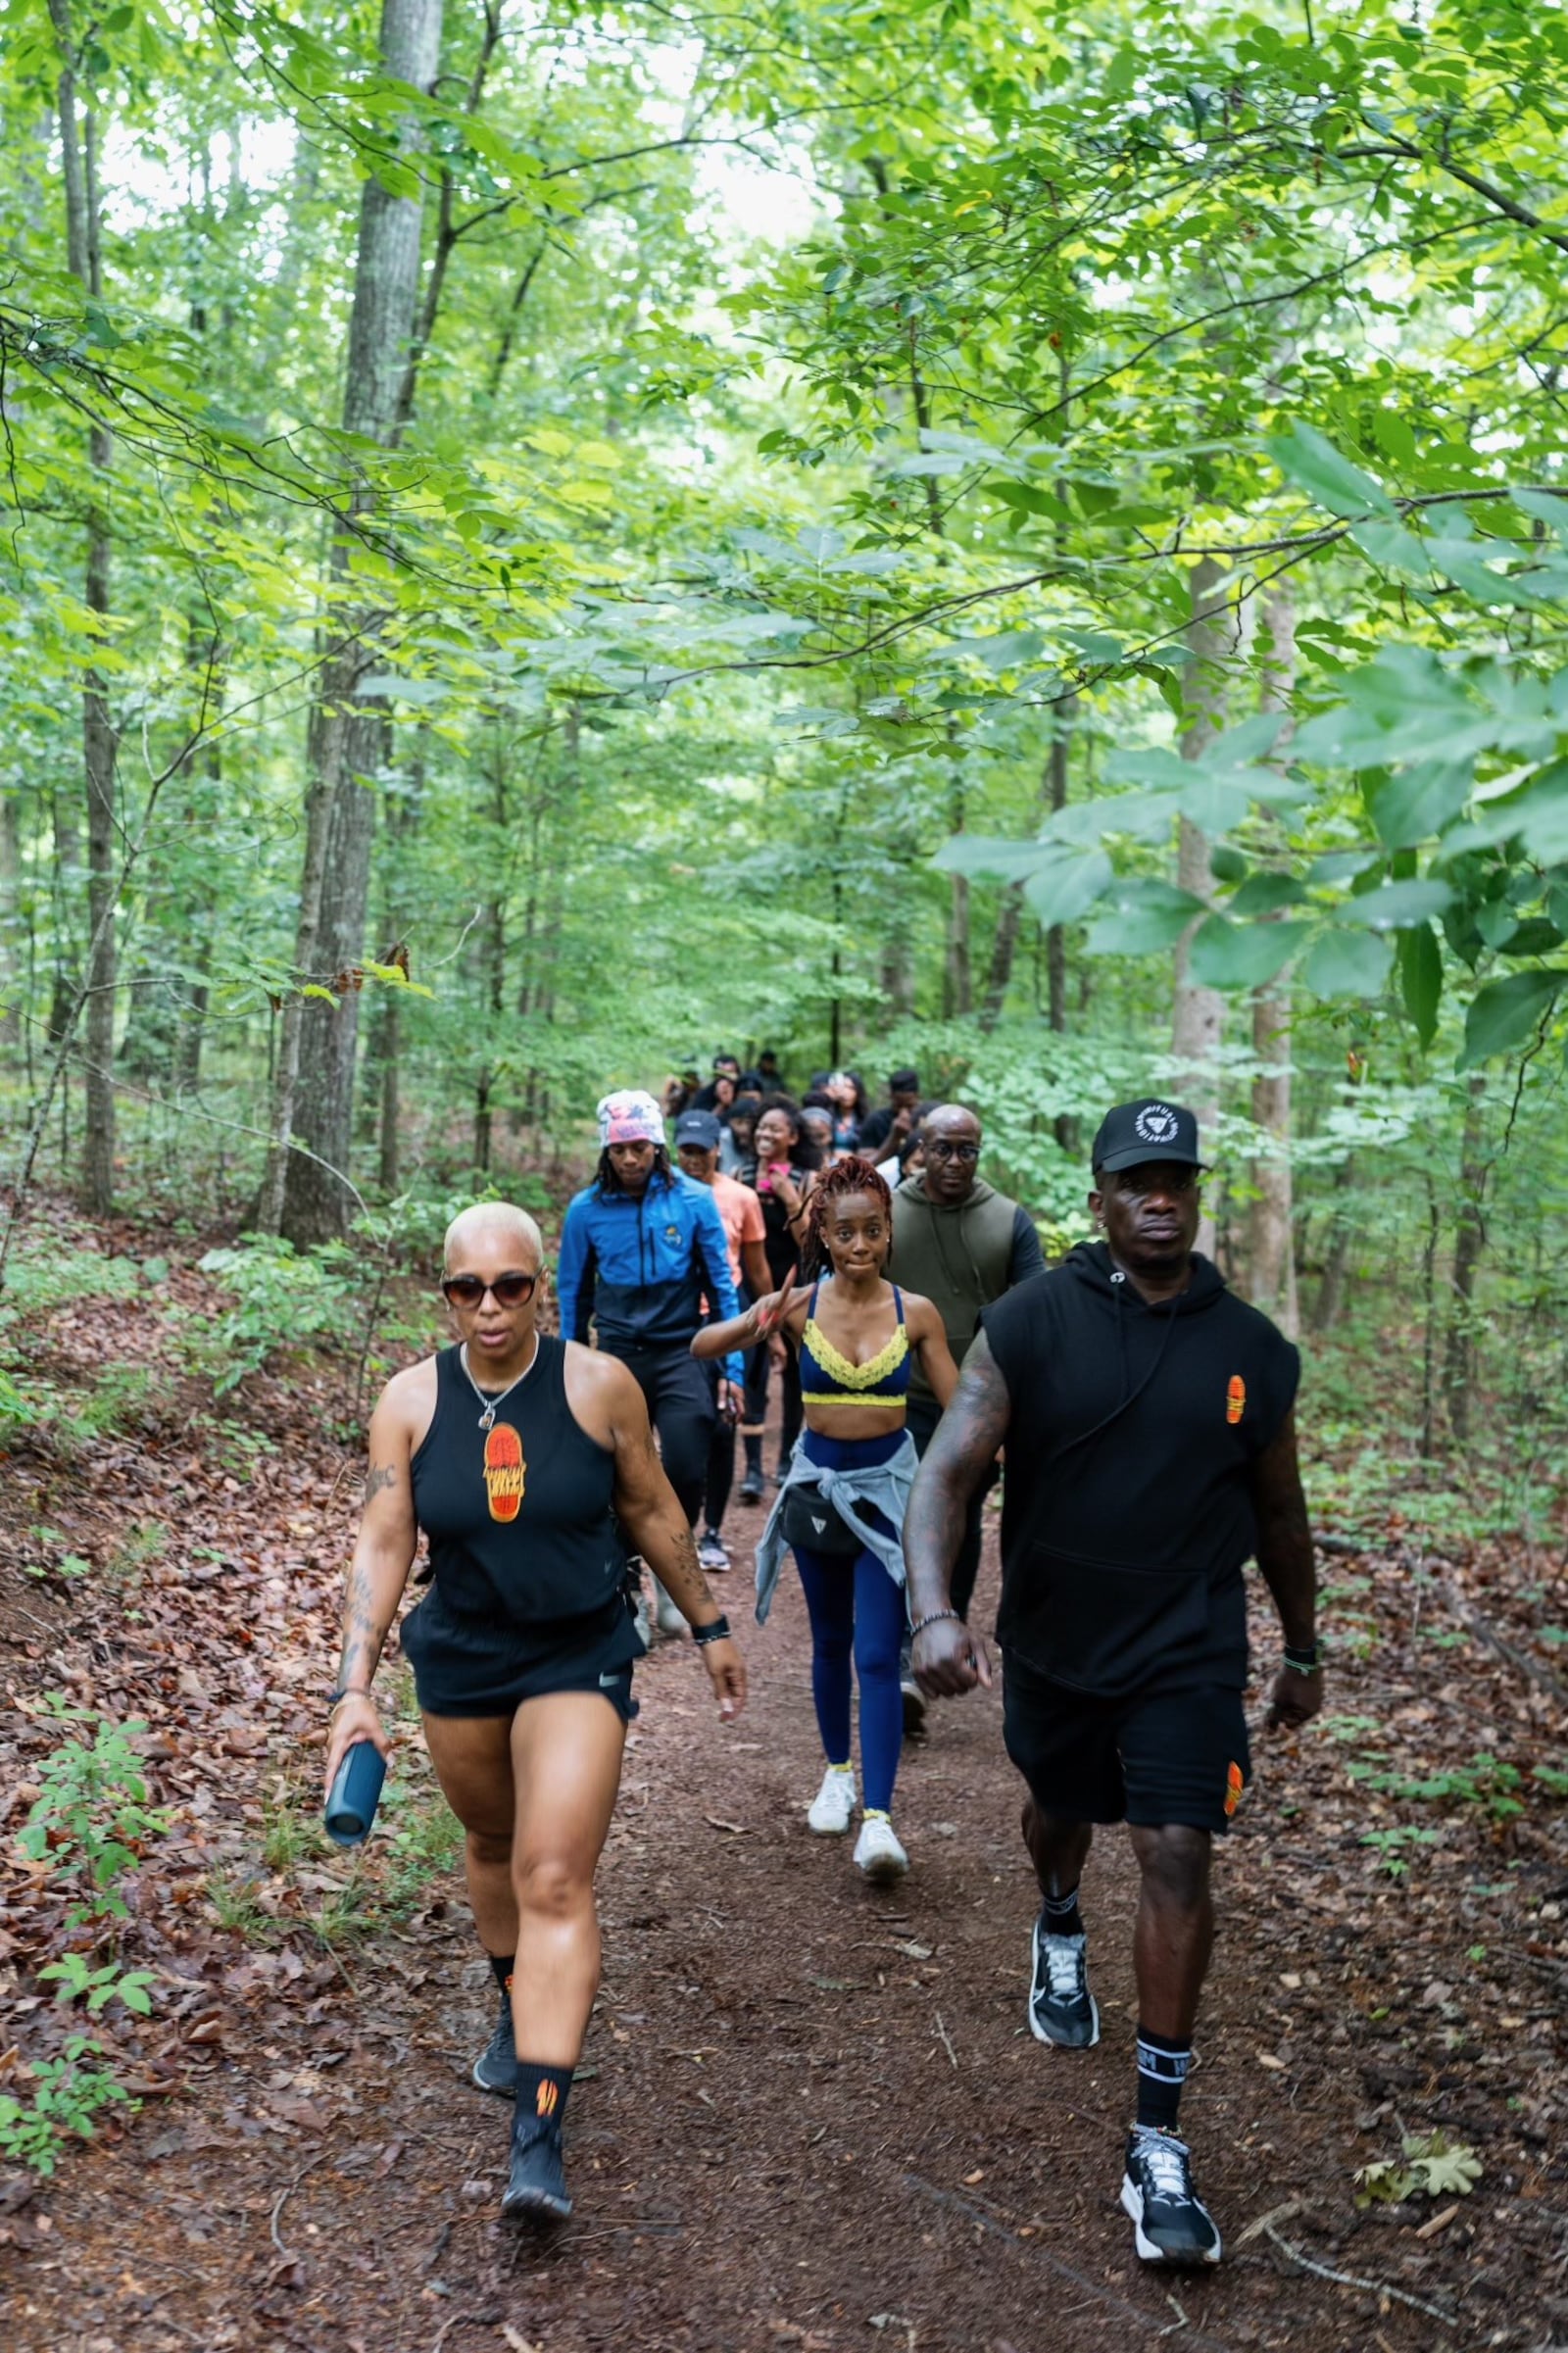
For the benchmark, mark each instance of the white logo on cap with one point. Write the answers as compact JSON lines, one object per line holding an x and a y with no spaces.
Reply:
{"x":1156,"y":1123}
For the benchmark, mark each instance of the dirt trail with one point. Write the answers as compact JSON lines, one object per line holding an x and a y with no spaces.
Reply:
{"x":810,"y":2115}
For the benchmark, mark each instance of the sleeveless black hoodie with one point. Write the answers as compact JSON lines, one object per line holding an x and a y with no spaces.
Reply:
{"x":1127,"y":1512}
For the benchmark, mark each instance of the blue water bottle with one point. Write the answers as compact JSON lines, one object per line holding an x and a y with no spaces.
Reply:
{"x":351,"y":1801}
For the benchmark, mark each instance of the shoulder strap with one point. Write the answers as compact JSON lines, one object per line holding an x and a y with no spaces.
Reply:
{"x":898,"y":1305}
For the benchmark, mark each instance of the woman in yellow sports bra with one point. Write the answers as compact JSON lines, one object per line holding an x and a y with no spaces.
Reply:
{"x":841,"y":1506}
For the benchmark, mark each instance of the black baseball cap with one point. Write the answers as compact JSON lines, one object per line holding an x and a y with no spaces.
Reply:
{"x":1147,"y":1130}
{"x":700,"y":1128}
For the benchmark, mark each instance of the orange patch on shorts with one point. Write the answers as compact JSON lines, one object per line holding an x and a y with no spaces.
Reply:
{"x":504,"y":1471}
{"x":1235,"y":1398}
{"x":1233,"y":1786}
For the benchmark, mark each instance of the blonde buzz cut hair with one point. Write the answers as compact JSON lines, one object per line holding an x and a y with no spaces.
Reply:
{"x":493,"y":1218}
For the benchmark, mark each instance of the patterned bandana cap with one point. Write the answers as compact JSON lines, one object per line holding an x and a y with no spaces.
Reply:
{"x":630,"y":1118}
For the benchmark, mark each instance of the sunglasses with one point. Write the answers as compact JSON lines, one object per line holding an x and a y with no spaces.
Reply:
{"x":508,"y":1290}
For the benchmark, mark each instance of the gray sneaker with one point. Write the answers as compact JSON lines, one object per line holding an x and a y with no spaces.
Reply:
{"x":496,"y":2067}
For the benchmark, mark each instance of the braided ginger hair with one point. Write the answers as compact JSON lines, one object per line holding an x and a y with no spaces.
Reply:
{"x":836,"y":1184}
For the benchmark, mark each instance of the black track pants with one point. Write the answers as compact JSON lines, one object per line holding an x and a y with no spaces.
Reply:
{"x":681,"y":1408}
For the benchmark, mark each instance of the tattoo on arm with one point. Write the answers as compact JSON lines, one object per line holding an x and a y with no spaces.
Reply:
{"x":362,"y":1636}
{"x":379,"y":1476}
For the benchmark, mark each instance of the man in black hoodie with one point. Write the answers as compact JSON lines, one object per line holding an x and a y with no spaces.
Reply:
{"x":1148,"y":1418}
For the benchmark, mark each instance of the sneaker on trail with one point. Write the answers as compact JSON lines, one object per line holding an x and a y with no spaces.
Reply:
{"x":667,"y":1617}
{"x":536,"y":2185}
{"x":711,"y":1555}
{"x":496,"y":2067}
{"x":913,"y":1709}
{"x":832,"y":1809}
{"x":1170,"y":2222}
{"x":1061,"y":2008}
{"x":877,"y":1851}
{"x":750,"y":1489}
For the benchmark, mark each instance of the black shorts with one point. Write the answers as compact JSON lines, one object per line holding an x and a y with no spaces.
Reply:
{"x":1152,"y":1757}
{"x":468,"y":1666}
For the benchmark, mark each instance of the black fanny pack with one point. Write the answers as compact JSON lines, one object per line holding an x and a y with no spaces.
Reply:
{"x":809,"y":1522}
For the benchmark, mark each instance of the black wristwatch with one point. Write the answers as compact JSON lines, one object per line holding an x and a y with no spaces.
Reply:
{"x":1308,"y":1660}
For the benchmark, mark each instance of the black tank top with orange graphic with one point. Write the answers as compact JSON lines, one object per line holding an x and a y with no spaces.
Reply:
{"x":518,"y":1516}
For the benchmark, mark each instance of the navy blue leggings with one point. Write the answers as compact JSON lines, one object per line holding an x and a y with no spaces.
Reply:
{"x":856,"y":1612}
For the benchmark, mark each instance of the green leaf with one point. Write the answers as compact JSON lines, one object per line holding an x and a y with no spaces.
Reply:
{"x":1315,"y":466}
{"x":1060,"y":892}
{"x":1420,"y":800}
{"x":1505,"y":1014}
{"x":1540,"y":814}
{"x":1263,"y":894}
{"x":1421,"y":978}
{"x":1395,"y":905}
{"x":1242,"y":956}
{"x":1148,"y":916}
{"x":1347,"y":963}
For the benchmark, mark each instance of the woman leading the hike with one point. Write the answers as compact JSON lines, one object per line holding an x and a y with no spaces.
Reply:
{"x":526,"y":1460}
{"x":841,"y":1506}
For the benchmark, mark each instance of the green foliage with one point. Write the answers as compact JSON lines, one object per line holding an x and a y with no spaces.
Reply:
{"x":91,"y":1821}
{"x":66,"y":2097}
{"x":78,"y":1981}
{"x":282,"y":1298}
{"x":1486,"y":1782}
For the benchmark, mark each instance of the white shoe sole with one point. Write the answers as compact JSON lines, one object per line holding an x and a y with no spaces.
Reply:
{"x":1132,"y":2203}
{"x":883,"y":1869}
{"x":1035,"y":2026}
{"x":829,"y":1829}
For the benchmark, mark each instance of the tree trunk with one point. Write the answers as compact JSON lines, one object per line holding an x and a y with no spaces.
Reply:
{"x":11,"y":959}
{"x":1271,"y":1249}
{"x":83,"y":258}
{"x":1469,"y":1239}
{"x":308,"y":1197}
{"x":1199,"y":1013}
{"x":1429,"y":1340}
{"x":1331,"y":1291}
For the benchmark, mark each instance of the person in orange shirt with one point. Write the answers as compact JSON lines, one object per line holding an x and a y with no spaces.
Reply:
{"x":698,"y":1140}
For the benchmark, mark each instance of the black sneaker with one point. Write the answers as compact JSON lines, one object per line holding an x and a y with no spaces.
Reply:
{"x":496,"y":2067}
{"x":750,"y":1489}
{"x":914,"y":1708}
{"x":536,"y":2186}
{"x":1170,"y":2222}
{"x":1061,"y":2008}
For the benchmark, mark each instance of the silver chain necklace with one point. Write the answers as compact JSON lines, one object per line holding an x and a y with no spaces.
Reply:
{"x":487,"y":1419}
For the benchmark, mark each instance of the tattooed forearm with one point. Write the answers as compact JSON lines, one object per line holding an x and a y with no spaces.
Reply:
{"x":380,"y":1474}
{"x":965,"y":1443}
{"x":674,"y":1563}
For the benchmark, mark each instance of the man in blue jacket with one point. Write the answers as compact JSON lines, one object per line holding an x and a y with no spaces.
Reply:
{"x":641,"y":1250}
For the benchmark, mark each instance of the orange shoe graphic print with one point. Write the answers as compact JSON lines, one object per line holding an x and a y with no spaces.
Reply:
{"x":1235,"y":1398}
{"x":1233,"y":1785}
{"x":505,"y":1471}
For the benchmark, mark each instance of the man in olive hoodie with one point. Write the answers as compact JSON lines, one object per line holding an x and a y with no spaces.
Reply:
{"x":960,"y":1243}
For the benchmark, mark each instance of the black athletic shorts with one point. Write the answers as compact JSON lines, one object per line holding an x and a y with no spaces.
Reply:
{"x":470,"y":1666}
{"x":1152,"y":1757}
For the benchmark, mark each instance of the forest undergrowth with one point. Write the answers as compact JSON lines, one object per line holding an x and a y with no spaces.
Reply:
{"x":170,"y":1559}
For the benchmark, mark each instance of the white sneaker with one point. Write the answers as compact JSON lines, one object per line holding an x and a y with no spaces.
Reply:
{"x":877,"y":1851}
{"x":832,"y":1809}
{"x":667,"y":1617}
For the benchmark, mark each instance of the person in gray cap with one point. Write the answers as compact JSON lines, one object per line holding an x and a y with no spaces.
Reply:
{"x":1147,"y":1415}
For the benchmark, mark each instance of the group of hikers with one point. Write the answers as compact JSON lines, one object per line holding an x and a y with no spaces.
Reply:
{"x":1140,"y":1417}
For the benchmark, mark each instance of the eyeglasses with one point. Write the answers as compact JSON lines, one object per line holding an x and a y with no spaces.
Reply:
{"x":1155,"y":1178}
{"x":967,"y":1152}
{"x":508,"y":1290}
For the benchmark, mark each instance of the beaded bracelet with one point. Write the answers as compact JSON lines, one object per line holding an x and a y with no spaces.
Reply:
{"x":935,"y":1619}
